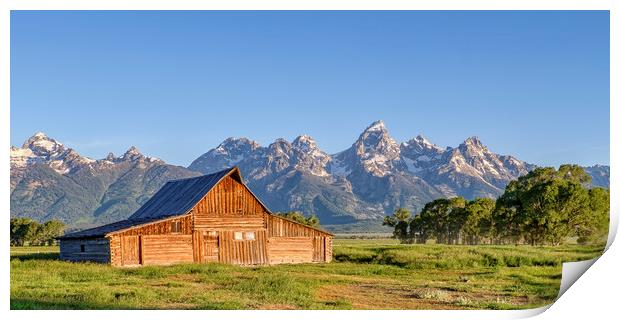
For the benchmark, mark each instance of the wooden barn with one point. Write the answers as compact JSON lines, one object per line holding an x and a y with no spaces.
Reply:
{"x":211,"y":218}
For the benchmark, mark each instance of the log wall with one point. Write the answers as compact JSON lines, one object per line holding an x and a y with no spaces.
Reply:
{"x":96,"y":250}
{"x":321,"y":242}
{"x":166,"y":249}
{"x":290,"y":250}
{"x":121,"y":248}
{"x":329,"y":249}
{"x":243,"y":252}
{"x":206,"y":246}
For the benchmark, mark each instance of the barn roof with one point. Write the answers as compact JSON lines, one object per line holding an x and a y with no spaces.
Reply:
{"x":101,"y":231}
{"x":179,"y":196}
{"x":175,"y":198}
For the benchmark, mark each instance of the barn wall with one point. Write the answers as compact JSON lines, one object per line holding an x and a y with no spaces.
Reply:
{"x":206,"y":246}
{"x":123,"y":244}
{"x":329,"y":249}
{"x":321,"y":242}
{"x":115,"y":251}
{"x":244,"y":252}
{"x":95,"y":250}
{"x":166,"y":249}
{"x":290,"y":250}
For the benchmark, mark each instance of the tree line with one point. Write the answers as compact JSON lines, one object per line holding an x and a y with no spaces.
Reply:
{"x":311,"y":220}
{"x":546,"y":206}
{"x":26,"y":231}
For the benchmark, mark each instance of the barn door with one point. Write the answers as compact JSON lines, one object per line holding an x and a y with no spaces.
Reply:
{"x":130,"y":247}
{"x":211,"y":246}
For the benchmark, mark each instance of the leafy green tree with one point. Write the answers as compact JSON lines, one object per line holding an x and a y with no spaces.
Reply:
{"x":544,"y":206}
{"x":596,"y":227}
{"x":478,"y":219}
{"x":311,"y":220}
{"x":417,"y":232}
{"x":400,"y":222}
{"x":27,"y":231}
{"x":23,"y":230}
{"x":456,"y":220}
{"x":49,"y":230}
{"x":443,"y":219}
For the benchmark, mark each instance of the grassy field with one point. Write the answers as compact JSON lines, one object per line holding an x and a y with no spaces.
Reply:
{"x":366,"y":274}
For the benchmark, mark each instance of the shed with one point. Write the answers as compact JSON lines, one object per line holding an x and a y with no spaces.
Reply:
{"x":211,"y":218}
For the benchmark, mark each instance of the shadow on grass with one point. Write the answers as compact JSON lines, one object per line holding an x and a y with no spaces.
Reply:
{"x":36,"y":256}
{"x":31,"y":304}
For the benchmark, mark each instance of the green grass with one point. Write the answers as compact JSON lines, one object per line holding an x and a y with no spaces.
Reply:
{"x":365,"y":274}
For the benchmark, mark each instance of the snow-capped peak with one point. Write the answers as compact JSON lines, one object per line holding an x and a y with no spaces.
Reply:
{"x":132,"y":153}
{"x":419,"y":154}
{"x":378,"y":125}
{"x":305,"y":143}
{"x":40,"y":148}
{"x":230,"y":152}
{"x":232,"y":145}
{"x":40,"y":135}
{"x":420,"y":144}
{"x":376,"y":150}
{"x":422,"y":140}
{"x":308,"y":157}
{"x":42,"y":145}
{"x":473,"y":141}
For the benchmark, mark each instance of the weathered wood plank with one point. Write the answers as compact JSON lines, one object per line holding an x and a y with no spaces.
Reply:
{"x":95,"y":250}
{"x":167,"y":249}
{"x":290,"y":250}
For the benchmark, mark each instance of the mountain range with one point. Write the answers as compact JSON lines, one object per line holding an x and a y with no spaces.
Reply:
{"x":362,"y":183}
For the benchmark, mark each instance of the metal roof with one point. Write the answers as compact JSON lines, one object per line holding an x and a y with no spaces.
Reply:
{"x":178,"y":196}
{"x":175,"y":198}
{"x":101,"y":231}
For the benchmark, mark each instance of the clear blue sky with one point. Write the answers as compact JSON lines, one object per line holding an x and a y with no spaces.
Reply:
{"x":175,"y":84}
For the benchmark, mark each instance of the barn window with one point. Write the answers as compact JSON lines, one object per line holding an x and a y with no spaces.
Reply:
{"x":238,"y":235}
{"x":249,"y":235}
{"x":82,"y":248}
{"x":176,"y":227}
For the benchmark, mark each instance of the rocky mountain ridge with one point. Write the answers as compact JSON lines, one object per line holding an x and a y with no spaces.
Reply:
{"x":373,"y":176}
{"x":50,"y":180}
